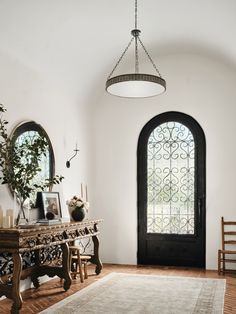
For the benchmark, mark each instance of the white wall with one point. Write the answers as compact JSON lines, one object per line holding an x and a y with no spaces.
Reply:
{"x":199,"y":86}
{"x":27,"y":95}
{"x":202,"y":87}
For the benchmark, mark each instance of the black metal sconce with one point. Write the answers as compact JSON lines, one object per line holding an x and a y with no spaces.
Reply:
{"x":76,"y":150}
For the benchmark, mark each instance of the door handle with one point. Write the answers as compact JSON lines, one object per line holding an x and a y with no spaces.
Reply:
{"x":199,"y":211}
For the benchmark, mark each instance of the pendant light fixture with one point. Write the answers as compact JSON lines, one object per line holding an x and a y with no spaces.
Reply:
{"x":135,"y":85}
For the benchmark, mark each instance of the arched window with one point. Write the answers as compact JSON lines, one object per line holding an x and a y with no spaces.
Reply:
{"x":28,"y":132}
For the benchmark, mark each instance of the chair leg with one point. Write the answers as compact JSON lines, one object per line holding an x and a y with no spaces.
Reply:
{"x":223,"y":256}
{"x":80,"y":269}
{"x":219,"y":262}
{"x":79,"y":262}
{"x":85,"y":271}
{"x":75,"y":271}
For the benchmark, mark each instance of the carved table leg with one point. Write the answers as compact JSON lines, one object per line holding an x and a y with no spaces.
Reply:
{"x":66,"y":266}
{"x":96,"y":259}
{"x":16,"y":295}
{"x":34,"y":276}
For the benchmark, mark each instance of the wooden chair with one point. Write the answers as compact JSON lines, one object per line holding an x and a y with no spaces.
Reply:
{"x":228,"y":252}
{"x":78,"y":261}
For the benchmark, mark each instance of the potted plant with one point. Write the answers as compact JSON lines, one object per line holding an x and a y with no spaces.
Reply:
{"x":20,"y":163}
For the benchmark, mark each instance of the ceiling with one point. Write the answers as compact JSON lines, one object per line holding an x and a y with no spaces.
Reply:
{"x":70,"y":41}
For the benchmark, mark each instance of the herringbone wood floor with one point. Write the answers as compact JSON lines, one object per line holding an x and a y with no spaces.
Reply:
{"x":36,"y":300}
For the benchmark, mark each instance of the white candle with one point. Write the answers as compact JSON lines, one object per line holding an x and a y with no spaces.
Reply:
{"x":6,"y":222}
{"x":86,"y":193}
{"x":1,"y":216}
{"x":81,"y":187}
{"x":10,"y":213}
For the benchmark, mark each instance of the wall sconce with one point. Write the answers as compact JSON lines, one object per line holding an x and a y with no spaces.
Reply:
{"x":76,"y":150}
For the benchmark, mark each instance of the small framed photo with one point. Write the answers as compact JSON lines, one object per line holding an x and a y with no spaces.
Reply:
{"x":51,"y":204}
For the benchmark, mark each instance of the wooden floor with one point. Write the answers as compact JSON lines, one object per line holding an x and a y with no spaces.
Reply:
{"x":36,"y":300}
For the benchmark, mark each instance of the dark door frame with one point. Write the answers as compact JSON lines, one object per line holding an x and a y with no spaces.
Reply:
{"x":200,"y":180}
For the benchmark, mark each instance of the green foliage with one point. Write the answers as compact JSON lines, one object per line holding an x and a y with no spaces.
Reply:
{"x":20,"y":163}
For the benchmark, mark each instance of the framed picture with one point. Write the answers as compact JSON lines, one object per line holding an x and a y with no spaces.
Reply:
{"x":50,"y":202}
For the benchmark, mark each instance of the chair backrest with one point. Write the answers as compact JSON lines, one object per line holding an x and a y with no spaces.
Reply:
{"x":228,"y":232}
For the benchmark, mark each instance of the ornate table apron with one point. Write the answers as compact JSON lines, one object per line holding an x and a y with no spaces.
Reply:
{"x":35,"y":241}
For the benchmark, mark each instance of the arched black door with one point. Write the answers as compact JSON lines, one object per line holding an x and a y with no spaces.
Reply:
{"x":171,"y":191}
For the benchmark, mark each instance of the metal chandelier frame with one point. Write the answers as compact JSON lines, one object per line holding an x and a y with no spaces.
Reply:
{"x":135,"y":85}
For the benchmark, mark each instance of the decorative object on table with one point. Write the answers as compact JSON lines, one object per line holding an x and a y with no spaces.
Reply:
{"x":82,"y":191}
{"x":19,"y":164}
{"x":136,"y":84}
{"x":77,"y":208}
{"x":50,"y":204}
{"x":50,"y":215}
{"x":48,"y":222}
{"x":76,"y":150}
{"x":1,"y":216}
{"x":7,"y":220}
{"x":10,"y":214}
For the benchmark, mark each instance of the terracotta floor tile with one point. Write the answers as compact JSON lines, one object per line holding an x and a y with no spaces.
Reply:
{"x":51,"y":292}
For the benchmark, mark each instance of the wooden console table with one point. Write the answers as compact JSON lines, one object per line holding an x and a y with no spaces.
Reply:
{"x":34,"y":239}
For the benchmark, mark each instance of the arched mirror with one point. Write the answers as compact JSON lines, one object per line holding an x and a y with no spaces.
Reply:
{"x":29,"y":132}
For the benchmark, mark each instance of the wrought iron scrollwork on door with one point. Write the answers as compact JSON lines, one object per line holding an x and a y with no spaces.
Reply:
{"x":170,"y":185}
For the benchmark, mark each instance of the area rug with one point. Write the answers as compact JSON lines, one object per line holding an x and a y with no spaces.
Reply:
{"x":121,"y":293}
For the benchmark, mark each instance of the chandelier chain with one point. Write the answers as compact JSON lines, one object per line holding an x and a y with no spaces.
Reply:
{"x":149,"y":57}
{"x":121,"y":57}
{"x":136,"y":40}
{"x":131,"y":84}
{"x":136,"y":55}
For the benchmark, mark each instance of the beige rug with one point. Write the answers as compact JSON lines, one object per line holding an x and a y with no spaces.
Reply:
{"x":121,"y":293}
